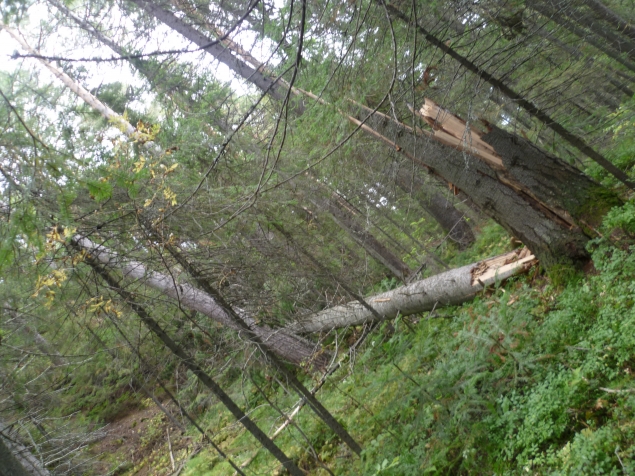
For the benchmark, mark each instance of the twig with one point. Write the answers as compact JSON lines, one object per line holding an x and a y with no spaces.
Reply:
{"x":618,"y":391}
{"x":170,"y":449}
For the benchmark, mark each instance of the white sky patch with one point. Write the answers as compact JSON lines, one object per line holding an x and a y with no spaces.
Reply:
{"x":72,"y":43}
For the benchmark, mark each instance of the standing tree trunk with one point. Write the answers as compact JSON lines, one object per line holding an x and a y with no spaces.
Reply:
{"x":263,"y":82}
{"x":198,"y":371}
{"x":555,"y":16}
{"x":347,"y":221}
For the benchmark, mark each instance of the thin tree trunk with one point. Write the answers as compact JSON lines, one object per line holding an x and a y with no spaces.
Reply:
{"x":556,"y":17}
{"x":41,"y":343}
{"x":290,"y":377}
{"x":621,"y":44}
{"x":137,"y":383}
{"x":366,"y":240}
{"x":447,"y":216}
{"x":445,"y":289}
{"x":608,"y":15}
{"x":200,"y":373}
{"x":216,"y":49}
{"x":255,"y":76}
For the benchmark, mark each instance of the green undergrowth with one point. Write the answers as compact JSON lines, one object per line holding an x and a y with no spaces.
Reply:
{"x":529,"y":378}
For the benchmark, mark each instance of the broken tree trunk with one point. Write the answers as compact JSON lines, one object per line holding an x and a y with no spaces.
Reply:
{"x":556,"y":186}
{"x":540,"y":114}
{"x":283,"y":343}
{"x":544,"y":202}
{"x":445,"y":289}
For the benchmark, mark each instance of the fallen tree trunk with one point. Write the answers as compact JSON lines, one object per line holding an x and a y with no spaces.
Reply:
{"x":445,"y":289}
{"x":282,"y":342}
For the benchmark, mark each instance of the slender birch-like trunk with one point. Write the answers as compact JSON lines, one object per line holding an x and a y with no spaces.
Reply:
{"x":191,"y":365}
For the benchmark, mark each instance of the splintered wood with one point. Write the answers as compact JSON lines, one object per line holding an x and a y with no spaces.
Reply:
{"x":453,"y":131}
{"x":501,"y":267}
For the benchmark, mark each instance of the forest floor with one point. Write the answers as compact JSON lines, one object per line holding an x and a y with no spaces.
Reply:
{"x":137,"y":444}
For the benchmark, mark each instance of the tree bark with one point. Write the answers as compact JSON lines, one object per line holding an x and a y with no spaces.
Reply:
{"x":621,"y":44}
{"x":9,"y":464}
{"x":553,"y":182}
{"x":321,"y":360}
{"x":548,"y":232}
{"x":16,"y":459}
{"x":445,"y":289}
{"x":281,"y":342}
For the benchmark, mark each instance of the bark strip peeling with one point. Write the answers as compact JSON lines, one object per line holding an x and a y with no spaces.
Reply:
{"x":445,"y":289}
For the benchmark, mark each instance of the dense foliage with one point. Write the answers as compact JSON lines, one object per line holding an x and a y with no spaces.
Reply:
{"x":260,"y":179}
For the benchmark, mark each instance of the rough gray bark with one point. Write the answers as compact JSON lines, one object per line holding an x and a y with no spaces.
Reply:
{"x":15,"y":458}
{"x":540,"y":114}
{"x":283,"y":343}
{"x":564,"y":189}
{"x":549,"y":236}
{"x":320,"y":361}
{"x":445,"y":289}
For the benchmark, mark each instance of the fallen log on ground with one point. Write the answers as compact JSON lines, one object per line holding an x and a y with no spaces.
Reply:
{"x":444,"y":289}
{"x":282,"y":342}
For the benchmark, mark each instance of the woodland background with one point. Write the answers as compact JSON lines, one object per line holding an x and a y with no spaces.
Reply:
{"x":253,"y":238}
